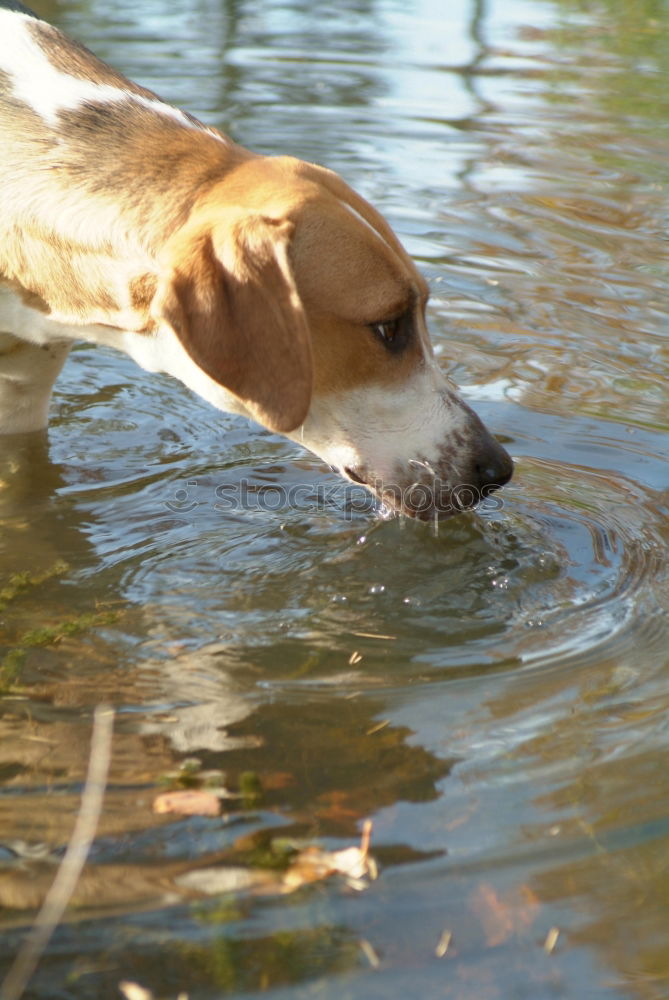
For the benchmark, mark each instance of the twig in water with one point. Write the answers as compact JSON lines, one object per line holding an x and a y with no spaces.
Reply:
{"x":551,"y":940}
{"x":73,"y":861}
{"x":443,"y":944}
{"x":369,"y":953}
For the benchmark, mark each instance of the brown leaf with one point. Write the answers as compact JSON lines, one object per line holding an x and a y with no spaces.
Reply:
{"x":313,"y":864}
{"x":494,"y":915}
{"x":188,"y":802}
{"x":506,"y":915}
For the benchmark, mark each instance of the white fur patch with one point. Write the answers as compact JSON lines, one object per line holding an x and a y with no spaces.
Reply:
{"x":390,"y":433}
{"x":37,"y":83}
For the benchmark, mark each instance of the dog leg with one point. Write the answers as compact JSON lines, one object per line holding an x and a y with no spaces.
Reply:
{"x":27,"y":374}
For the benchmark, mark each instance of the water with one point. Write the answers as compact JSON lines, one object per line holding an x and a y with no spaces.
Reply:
{"x":493,"y":695}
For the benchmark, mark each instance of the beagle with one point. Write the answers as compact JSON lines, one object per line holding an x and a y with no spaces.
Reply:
{"x":263,"y":283}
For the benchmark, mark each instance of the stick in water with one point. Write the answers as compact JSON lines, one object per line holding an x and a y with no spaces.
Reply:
{"x":74,"y":859}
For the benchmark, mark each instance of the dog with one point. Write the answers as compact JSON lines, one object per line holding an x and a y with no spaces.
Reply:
{"x":263,"y":283}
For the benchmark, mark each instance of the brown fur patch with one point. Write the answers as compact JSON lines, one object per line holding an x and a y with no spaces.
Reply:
{"x":230,"y":297}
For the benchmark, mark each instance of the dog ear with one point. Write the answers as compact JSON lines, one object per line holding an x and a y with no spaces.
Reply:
{"x":230,"y":296}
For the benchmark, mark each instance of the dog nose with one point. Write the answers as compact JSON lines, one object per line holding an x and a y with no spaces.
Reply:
{"x":493,"y":466}
{"x":488,"y":469}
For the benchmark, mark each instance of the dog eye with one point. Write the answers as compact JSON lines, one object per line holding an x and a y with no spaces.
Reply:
{"x":396,"y":334}
{"x":387,"y":331}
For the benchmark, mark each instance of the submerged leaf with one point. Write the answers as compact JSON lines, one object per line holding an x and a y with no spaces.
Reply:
{"x":312,"y":864}
{"x":188,"y":802}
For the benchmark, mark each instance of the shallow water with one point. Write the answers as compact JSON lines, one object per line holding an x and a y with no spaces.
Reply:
{"x":493,"y":695}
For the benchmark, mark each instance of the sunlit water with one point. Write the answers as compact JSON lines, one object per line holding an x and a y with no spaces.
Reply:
{"x":493,"y":694}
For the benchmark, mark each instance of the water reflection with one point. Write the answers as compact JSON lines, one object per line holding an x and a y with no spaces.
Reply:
{"x":36,"y":531}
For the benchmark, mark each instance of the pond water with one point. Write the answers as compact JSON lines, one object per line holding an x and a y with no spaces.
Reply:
{"x":493,"y":696}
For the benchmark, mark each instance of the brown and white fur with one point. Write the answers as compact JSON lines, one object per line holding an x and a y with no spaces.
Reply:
{"x":265,"y":284}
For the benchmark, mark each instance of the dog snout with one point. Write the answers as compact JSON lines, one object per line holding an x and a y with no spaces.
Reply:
{"x":482,"y":466}
{"x":467,"y":467}
{"x":456,"y":488}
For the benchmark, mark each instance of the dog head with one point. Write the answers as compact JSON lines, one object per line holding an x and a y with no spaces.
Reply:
{"x":294,"y":296}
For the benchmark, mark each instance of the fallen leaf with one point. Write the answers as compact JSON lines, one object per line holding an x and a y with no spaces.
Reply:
{"x":494,"y":915}
{"x":310,"y":864}
{"x":313,"y":864}
{"x":188,"y":802}
{"x":503,"y":916}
